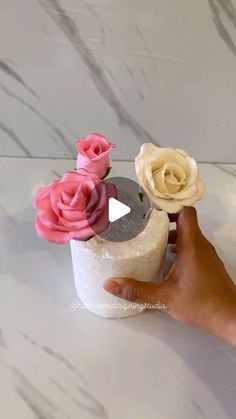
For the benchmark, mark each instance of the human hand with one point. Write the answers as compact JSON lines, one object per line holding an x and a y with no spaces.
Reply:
{"x":197,"y":290}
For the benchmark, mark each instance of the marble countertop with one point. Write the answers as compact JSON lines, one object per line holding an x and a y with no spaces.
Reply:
{"x":56,"y":363}
{"x":137,"y":71}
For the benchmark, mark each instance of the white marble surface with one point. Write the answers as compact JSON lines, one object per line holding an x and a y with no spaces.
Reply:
{"x":56,"y":363}
{"x":135,"y":70}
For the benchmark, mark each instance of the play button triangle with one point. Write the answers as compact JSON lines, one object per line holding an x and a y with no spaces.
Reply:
{"x":117,"y":210}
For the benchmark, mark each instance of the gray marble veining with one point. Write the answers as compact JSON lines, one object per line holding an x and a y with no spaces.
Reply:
{"x":61,"y":358}
{"x":60,"y":136}
{"x":225,"y":6}
{"x":27,"y":338}
{"x":162,"y":73}
{"x":198,"y":408}
{"x":6,"y":68}
{"x":38,"y":402}
{"x":58,"y":385}
{"x":141,"y":36}
{"x":68,"y":26}
{"x":85,"y":401}
{"x":55,"y":173}
{"x":89,"y":403}
{"x":229,"y":9}
{"x":229,"y":169}
{"x":13,"y":136}
{"x":129,"y":70}
{"x":113,"y":77}
{"x":36,"y":406}
{"x":148,"y":83}
{"x":55,"y":354}
{"x":41,"y":404}
{"x":6,"y":213}
{"x":2,"y":342}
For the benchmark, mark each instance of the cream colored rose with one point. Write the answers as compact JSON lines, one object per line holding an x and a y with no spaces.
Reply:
{"x":169,"y":177}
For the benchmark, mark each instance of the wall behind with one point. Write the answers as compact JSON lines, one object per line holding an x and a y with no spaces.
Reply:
{"x":137,"y":71}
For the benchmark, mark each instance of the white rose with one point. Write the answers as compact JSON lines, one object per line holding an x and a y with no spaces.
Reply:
{"x":169,"y":177}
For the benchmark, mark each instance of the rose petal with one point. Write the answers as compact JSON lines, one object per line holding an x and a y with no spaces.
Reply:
{"x":176,"y":178}
{"x":192,"y":171}
{"x":159,"y":181}
{"x":99,"y":218}
{"x":112,"y":191}
{"x":94,"y":140}
{"x":98,"y":166}
{"x":183,"y":152}
{"x":49,"y":218}
{"x":200,"y":190}
{"x":168,"y":205}
{"x":43,"y":206}
{"x":101,"y":223}
{"x":79,"y":222}
{"x":177,"y":171}
{"x":41,"y":196}
{"x":64,"y":207}
{"x":172,"y":186}
{"x":93,"y":198}
{"x":185,"y":193}
{"x":168,"y":155}
{"x":72,"y":216}
{"x":66,"y":198}
{"x":77,"y":176}
{"x":148,"y":185}
{"x":84,"y":172}
{"x":83,"y":234}
{"x":101,"y":204}
{"x":144,"y":159}
{"x":57,"y":191}
{"x":147,"y":150}
{"x":93,"y":150}
{"x":53,"y":236}
{"x":80,"y":200}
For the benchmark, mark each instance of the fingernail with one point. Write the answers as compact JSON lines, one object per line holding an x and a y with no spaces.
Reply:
{"x":113,"y":287}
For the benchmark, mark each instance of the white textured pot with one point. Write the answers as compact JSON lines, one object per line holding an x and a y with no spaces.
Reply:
{"x":97,"y":259}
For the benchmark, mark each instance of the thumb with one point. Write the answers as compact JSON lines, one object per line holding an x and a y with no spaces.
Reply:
{"x":138,"y":291}
{"x":187,"y":225}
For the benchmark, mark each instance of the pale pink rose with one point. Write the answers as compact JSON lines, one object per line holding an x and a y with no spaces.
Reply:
{"x":74,"y":207}
{"x":94,"y":154}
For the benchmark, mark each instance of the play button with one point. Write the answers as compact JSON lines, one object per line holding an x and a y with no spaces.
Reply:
{"x":125,"y":215}
{"x":117,"y":210}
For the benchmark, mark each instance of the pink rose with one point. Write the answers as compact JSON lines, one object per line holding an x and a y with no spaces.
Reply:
{"x":74,"y":207}
{"x":94,"y":154}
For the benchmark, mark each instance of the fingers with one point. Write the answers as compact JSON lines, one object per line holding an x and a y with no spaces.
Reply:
{"x":137,"y":291}
{"x":186,"y":221}
{"x":188,"y":217}
{"x":186,"y":232}
{"x":187,"y":226}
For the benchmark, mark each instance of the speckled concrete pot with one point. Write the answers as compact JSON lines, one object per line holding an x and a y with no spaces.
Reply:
{"x":97,"y":259}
